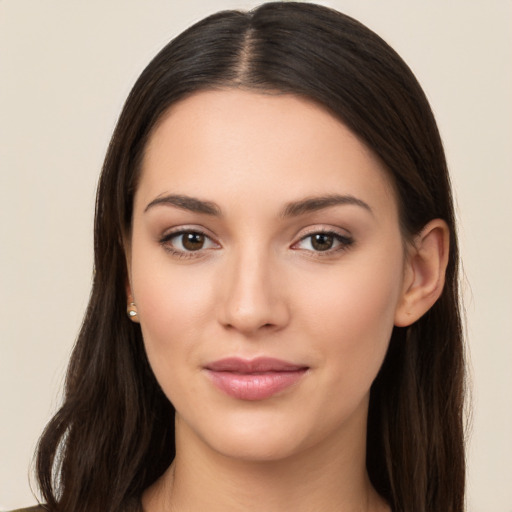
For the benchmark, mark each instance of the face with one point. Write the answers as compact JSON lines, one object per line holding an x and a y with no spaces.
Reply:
{"x":267,"y":265}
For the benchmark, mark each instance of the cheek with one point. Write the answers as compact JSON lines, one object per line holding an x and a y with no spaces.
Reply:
{"x":173,"y":303}
{"x":351,"y":314}
{"x":171,"y":318}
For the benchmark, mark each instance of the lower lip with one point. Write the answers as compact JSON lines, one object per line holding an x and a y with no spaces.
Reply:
{"x":255,"y":386}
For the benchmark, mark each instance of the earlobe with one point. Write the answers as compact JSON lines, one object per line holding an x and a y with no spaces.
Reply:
{"x":424,"y":275}
{"x":131,"y":308}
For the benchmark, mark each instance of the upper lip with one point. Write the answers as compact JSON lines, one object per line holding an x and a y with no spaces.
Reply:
{"x":258,"y":365}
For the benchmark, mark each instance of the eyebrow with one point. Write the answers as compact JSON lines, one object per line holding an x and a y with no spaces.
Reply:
{"x":312,"y":204}
{"x":293,"y":209}
{"x":186,"y":203}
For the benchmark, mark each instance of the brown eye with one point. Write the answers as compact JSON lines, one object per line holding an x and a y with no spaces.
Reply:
{"x":187,"y":242}
{"x":322,"y":241}
{"x":192,"y":241}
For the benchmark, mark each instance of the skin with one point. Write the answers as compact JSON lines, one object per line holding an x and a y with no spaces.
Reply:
{"x":258,"y":286}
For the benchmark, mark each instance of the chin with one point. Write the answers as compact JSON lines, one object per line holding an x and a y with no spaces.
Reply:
{"x":270,"y":434}
{"x":247,"y":435}
{"x":257,"y":448}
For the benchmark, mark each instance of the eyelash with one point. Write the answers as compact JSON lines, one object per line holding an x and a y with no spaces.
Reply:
{"x":165,"y":242}
{"x":344,"y":243}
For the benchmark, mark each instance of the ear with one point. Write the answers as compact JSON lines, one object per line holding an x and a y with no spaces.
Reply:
{"x":131,"y":308}
{"x":424,"y":273}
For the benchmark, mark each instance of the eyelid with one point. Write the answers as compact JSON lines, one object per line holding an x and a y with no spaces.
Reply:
{"x":187,"y":228}
{"x":323,"y":228}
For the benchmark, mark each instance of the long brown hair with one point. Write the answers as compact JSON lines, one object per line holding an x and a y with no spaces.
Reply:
{"x":114,"y":434}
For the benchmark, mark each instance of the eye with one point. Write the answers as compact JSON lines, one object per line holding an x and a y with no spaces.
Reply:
{"x":183,"y":242}
{"x":324,"y":241}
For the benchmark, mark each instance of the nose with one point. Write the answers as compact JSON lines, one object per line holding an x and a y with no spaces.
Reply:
{"x":253,"y":295}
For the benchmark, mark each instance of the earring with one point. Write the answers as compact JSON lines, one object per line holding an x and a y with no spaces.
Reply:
{"x":131,"y":311}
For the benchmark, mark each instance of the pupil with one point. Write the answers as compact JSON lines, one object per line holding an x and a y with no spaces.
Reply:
{"x":322,"y":242}
{"x":193,"y":241}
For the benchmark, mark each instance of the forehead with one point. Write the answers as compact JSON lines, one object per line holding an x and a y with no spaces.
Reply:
{"x":234,"y":143}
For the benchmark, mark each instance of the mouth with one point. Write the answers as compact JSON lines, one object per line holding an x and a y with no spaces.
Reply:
{"x":255,"y":379}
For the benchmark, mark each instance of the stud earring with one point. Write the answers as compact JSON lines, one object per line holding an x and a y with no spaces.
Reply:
{"x":131,"y":311}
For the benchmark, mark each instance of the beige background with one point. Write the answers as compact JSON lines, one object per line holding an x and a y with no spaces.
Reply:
{"x":66,"y":67}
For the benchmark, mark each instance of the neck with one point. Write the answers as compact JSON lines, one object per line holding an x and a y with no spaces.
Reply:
{"x":331,"y":477}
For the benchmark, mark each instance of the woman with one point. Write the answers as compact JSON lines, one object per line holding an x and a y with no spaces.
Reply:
{"x":274,"y":319}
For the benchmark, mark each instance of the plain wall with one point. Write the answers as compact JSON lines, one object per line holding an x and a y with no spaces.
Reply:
{"x":66,"y":67}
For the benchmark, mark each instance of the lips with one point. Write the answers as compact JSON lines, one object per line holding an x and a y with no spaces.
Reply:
{"x":255,"y":379}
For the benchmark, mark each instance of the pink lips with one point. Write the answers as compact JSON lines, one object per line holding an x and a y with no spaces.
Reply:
{"x":254,"y":379}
